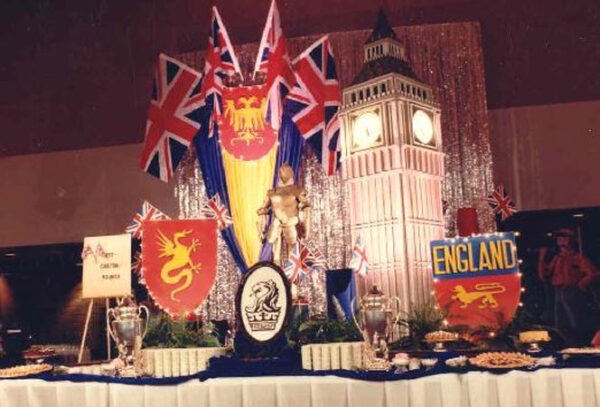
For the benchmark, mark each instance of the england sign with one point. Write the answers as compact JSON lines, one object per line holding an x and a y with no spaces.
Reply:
{"x":477,"y":280}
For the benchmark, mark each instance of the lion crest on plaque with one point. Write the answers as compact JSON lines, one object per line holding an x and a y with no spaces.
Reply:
{"x":263,"y":303}
{"x":264,"y":312}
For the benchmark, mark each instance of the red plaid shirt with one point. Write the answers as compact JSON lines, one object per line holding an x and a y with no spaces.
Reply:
{"x":569,"y":268}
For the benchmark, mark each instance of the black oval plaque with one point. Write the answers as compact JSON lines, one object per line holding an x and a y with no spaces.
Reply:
{"x":263,"y":303}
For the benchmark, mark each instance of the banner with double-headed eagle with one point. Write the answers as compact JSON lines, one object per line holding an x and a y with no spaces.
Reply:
{"x":249,"y":151}
{"x":238,"y":149}
{"x":180,"y":262}
{"x":476,"y":279}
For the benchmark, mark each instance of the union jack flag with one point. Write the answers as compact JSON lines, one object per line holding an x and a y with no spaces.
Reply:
{"x":501,"y":202}
{"x":172,"y":122}
{"x":273,"y":59}
{"x":359,"y":262}
{"x":298,"y":264}
{"x":319,"y":262}
{"x":146,"y":212}
{"x":136,"y":264}
{"x":314,"y":102}
{"x":220,"y":62}
{"x":214,"y":209}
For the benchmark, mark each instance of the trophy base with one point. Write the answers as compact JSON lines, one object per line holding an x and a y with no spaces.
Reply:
{"x":128,"y":371}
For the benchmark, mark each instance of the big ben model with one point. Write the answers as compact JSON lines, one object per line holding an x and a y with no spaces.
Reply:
{"x":393,"y":167}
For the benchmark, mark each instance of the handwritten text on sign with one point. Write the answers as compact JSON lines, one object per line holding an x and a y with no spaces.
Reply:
{"x":106,"y":266}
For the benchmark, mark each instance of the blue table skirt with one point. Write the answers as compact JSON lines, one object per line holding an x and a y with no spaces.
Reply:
{"x":229,"y":367}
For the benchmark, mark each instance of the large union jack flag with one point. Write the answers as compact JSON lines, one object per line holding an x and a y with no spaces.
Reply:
{"x":146,"y":212}
{"x":359,"y":262}
{"x":220,"y":62}
{"x":214,"y":209}
{"x":172,"y":122}
{"x":501,"y":202}
{"x":273,"y":59}
{"x":314,"y":102}
{"x":299,"y":263}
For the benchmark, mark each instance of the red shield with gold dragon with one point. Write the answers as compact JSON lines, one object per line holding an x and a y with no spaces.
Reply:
{"x":244,"y":132}
{"x":179,"y":262}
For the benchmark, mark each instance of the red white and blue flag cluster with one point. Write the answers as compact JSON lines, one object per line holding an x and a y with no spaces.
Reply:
{"x":302,"y":261}
{"x":214,"y":209}
{"x":359,"y":261}
{"x":307,"y":89}
{"x":501,"y":202}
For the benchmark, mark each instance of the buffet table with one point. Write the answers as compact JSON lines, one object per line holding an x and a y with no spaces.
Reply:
{"x":542,"y":388}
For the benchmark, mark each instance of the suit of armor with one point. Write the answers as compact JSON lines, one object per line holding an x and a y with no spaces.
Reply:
{"x":291,"y":213}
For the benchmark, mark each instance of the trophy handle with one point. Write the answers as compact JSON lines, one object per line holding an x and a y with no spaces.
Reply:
{"x":396,"y":300}
{"x":143,"y":307}
{"x":110,"y":312}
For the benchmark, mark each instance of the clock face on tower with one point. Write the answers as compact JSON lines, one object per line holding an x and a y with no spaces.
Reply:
{"x":366,"y":130}
{"x":422,"y":127}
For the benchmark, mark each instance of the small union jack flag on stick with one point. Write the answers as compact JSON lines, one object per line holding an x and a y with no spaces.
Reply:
{"x":136,"y":264}
{"x":214,"y":209}
{"x":359,"y":262}
{"x":298,"y":265}
{"x":318,"y":260}
{"x":501,"y":202}
{"x":273,"y":59}
{"x":146,"y":212}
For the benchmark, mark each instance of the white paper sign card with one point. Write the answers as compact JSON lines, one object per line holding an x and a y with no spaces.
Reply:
{"x":106,"y":266}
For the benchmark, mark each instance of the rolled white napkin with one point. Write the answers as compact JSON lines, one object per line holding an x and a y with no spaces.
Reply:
{"x":167,"y":362}
{"x":202,"y":361}
{"x":346,"y":356}
{"x":334,"y":350}
{"x":192,"y":361}
{"x":159,"y":371}
{"x":316,"y":357}
{"x":305,"y":352}
{"x":357,"y":352}
{"x":175,"y":362}
{"x":184,"y":362}
{"x":325,"y":356}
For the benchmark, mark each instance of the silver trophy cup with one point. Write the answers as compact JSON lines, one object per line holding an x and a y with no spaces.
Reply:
{"x":127,"y":329}
{"x":376,"y":317}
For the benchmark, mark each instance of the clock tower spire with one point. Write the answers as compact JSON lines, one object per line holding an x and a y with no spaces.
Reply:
{"x":393,"y":166}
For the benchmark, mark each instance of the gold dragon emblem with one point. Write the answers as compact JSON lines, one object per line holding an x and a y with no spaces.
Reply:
{"x":180,"y":259}
{"x":483,"y":291}
{"x":247,"y":120}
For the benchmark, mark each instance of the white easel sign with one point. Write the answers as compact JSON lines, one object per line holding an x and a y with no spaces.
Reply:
{"x":106,"y":266}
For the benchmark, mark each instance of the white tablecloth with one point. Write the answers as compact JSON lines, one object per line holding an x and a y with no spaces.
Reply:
{"x":544,"y":388}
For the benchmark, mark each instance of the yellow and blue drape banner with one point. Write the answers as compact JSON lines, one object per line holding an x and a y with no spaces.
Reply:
{"x":239,"y":158}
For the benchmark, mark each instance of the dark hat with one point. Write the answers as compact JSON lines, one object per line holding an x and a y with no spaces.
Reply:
{"x":563,"y":232}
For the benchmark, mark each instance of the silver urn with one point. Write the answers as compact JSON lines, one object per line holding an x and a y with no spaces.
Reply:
{"x":127,"y":328}
{"x":376,"y":319}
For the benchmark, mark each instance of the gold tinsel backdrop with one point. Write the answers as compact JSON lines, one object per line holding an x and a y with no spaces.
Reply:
{"x":446,"y":56}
